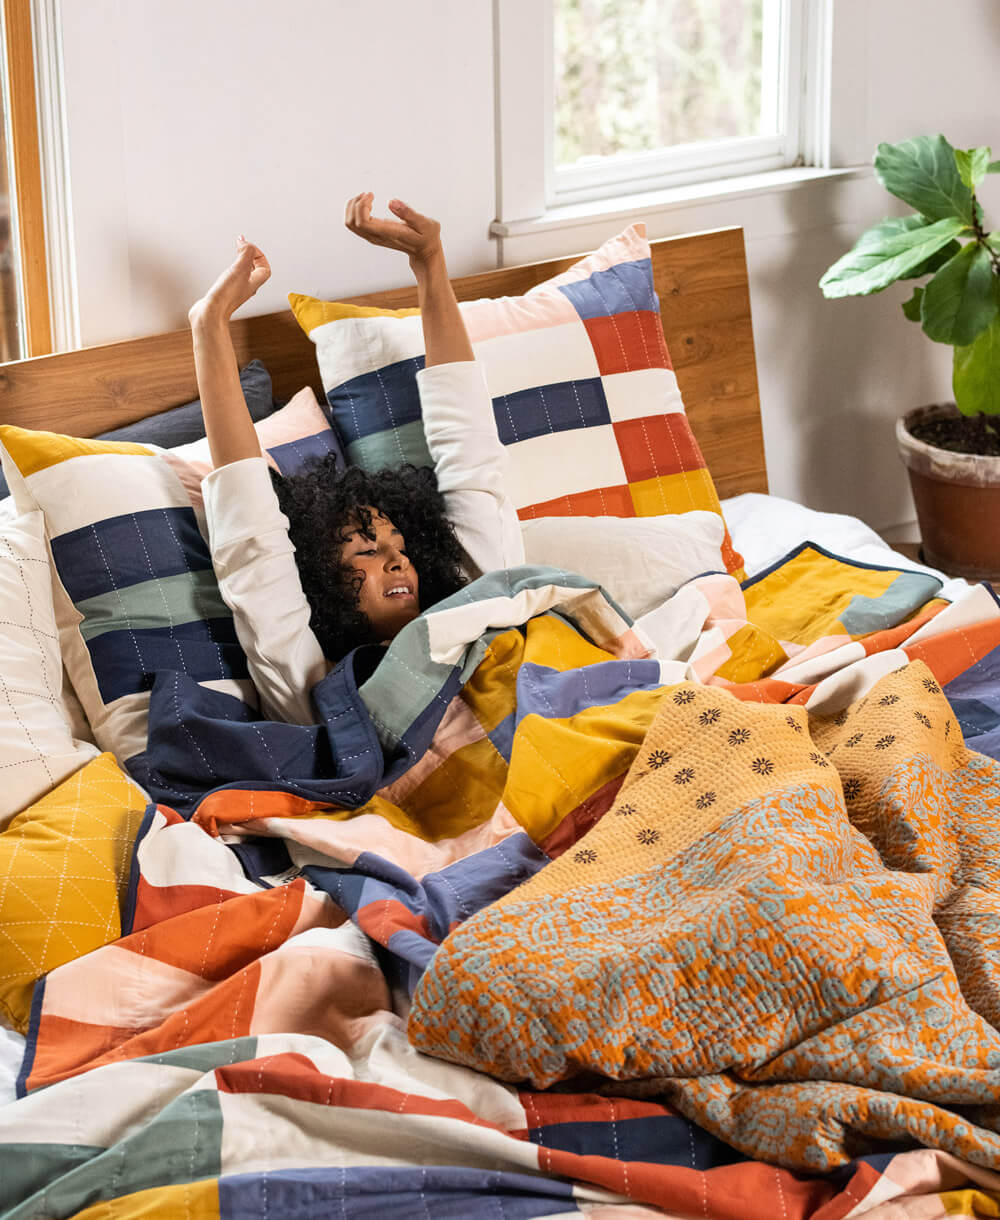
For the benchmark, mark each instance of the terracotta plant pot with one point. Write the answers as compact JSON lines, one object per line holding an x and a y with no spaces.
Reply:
{"x":958,"y":500}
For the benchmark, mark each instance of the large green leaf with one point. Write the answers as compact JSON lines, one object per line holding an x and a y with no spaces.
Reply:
{"x":976,"y":373}
{"x":922,"y":172}
{"x":911,"y":308}
{"x":906,"y":224}
{"x":886,"y":253}
{"x":935,"y":262}
{"x":960,"y":301}
{"x":973,"y":165}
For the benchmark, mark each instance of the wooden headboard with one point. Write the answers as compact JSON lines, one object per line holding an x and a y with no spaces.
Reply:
{"x":704,"y":302}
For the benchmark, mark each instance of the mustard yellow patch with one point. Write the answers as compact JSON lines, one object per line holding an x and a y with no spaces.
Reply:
{"x":34,"y":451}
{"x":755,"y":654}
{"x":491,"y":692}
{"x":310,"y":312}
{"x":557,"y":645}
{"x":64,"y":865}
{"x":802,"y":601}
{"x":556,"y":765}
{"x":192,"y":1200}
{"x":970,"y":1203}
{"x":684,"y":492}
{"x":462,"y":792}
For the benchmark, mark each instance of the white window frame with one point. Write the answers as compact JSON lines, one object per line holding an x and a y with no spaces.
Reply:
{"x":528,"y":185}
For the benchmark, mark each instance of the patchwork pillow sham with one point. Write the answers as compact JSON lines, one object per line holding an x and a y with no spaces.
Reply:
{"x":584,"y":393}
{"x":133,"y":585}
{"x":38,"y":749}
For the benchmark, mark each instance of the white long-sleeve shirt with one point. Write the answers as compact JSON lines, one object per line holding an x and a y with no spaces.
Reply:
{"x":254,"y":558}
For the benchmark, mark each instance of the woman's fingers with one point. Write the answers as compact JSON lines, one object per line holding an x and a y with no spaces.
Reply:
{"x":410,"y":232}
{"x":407,"y":214}
{"x":358,"y":211}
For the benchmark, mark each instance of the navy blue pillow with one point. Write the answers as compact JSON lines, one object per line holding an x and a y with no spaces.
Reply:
{"x":183,"y":424}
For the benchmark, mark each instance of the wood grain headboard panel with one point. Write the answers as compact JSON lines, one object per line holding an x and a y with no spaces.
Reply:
{"x":704,"y":302}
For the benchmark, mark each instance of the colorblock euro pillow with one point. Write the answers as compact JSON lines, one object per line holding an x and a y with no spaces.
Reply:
{"x":584,"y":394}
{"x":38,"y":749}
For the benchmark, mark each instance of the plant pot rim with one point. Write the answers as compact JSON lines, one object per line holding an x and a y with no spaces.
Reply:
{"x":971,"y":469}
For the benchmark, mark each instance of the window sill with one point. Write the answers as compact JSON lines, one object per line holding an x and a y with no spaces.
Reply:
{"x":635,"y":207}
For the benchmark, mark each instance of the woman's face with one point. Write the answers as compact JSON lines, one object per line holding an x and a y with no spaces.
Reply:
{"x":389,"y":596}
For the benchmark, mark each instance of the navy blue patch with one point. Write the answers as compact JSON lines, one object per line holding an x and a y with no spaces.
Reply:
{"x":127,"y":661}
{"x":128,"y":550}
{"x":377,"y":401}
{"x":561,"y":407}
{"x":659,"y":1139}
{"x":296,"y":456}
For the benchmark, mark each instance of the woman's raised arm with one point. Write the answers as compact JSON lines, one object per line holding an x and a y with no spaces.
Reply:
{"x":230,"y":430}
{"x":445,"y":337}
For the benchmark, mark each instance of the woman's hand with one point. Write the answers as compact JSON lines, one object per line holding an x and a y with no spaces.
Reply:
{"x":415,"y":235}
{"x":235,"y":286}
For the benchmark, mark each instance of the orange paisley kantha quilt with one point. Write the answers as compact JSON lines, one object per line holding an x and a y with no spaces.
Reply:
{"x":786,"y":926}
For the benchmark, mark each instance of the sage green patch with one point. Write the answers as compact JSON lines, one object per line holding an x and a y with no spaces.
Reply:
{"x":183,"y":1143}
{"x":206,"y":1056}
{"x":168,"y":601}
{"x":393,"y":447}
{"x":26,"y":1169}
{"x":907,"y":593}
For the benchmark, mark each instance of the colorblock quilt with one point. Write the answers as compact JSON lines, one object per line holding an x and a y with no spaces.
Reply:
{"x":533,"y":924}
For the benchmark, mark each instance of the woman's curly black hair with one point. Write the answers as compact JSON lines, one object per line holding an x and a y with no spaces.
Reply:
{"x":322,"y":502}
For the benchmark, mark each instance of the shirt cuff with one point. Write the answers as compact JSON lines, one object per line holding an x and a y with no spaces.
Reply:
{"x":240,"y":501}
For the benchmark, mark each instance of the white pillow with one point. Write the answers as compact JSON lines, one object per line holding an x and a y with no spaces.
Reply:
{"x":639,"y":561}
{"x":37,"y":747}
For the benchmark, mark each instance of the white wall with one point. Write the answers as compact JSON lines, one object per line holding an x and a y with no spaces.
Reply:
{"x":193,"y":120}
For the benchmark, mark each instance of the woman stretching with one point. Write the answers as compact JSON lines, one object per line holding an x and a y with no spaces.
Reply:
{"x":358,"y":555}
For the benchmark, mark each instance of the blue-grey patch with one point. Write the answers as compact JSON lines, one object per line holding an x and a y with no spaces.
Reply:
{"x":907,"y":593}
{"x":502,"y":736}
{"x":974,"y":716}
{"x":559,"y":695}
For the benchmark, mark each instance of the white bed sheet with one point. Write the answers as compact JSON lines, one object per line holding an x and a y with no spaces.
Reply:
{"x":763,"y":528}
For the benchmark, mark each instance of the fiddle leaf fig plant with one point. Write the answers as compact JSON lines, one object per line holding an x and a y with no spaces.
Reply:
{"x":945,"y":240}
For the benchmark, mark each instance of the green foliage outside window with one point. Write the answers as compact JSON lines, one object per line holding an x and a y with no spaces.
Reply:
{"x":634,"y":76}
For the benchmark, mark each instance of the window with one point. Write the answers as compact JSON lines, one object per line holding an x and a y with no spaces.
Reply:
{"x":10,"y":313}
{"x":616,"y":97}
{"x":647,"y":91}
{"x":25,"y":328}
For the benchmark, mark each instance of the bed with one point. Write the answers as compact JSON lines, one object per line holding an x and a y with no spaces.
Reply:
{"x":560,"y":909}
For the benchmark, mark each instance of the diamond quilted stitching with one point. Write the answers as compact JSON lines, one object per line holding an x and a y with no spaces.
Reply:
{"x":64,"y":865}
